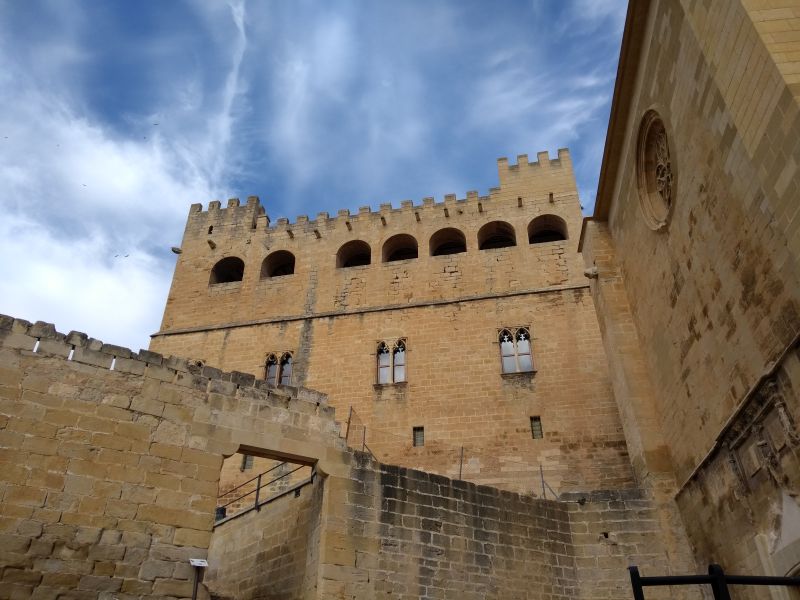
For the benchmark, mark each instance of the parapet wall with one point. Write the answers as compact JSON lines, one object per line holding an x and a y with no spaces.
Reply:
{"x":253,"y":215}
{"x":111,"y":460}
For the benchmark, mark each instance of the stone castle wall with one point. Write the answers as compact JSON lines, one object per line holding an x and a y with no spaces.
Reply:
{"x":448,"y":309}
{"x":111,"y":461}
{"x":701,"y":315}
{"x":112,"y":465}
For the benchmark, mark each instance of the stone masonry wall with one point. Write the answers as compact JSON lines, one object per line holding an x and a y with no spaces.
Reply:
{"x":271,"y":553}
{"x":716,"y":294}
{"x":752,"y":477}
{"x":111,"y":461}
{"x":401,"y":533}
{"x":110,"y":480}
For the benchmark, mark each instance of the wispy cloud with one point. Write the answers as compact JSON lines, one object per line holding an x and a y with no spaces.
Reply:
{"x":91,"y":211}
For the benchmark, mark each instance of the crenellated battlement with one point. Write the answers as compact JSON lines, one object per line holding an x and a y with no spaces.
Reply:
{"x":234,"y":216}
{"x":42,"y":339}
{"x":253,"y":215}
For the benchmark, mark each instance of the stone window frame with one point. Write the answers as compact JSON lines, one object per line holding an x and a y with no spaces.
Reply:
{"x":418,"y":436}
{"x":390,"y":350}
{"x":280,"y":263}
{"x":515,"y":354}
{"x":280,"y":375}
{"x":537,"y":431}
{"x":227,"y":270}
{"x":247,"y":462}
{"x":656,"y":176}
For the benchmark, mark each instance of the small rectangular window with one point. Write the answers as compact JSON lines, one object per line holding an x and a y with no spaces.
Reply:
{"x":247,"y":462}
{"x":419,"y":436}
{"x":536,"y":428}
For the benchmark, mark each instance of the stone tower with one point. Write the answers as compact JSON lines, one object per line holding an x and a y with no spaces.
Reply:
{"x":460,"y":333}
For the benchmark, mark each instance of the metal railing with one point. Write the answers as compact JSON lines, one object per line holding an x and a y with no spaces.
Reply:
{"x":716,"y":578}
{"x":221,"y":511}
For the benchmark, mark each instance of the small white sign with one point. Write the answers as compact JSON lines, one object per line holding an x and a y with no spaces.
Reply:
{"x":198,"y":562}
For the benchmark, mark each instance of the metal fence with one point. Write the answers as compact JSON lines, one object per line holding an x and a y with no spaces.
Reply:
{"x":716,"y":578}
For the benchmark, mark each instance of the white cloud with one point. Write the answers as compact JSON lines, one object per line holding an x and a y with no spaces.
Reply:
{"x":89,"y":213}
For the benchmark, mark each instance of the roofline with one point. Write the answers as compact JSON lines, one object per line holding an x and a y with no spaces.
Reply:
{"x":633,"y":38}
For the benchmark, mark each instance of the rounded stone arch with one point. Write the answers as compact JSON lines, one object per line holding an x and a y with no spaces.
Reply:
{"x":497,"y":234}
{"x":277,"y":264}
{"x":355,"y":253}
{"x":448,"y":241}
{"x":227,"y":270}
{"x":547,"y":228}
{"x":400,"y":247}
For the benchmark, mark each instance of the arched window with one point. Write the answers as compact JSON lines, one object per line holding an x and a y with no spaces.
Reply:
{"x":272,"y":370}
{"x":227,"y":270}
{"x":353,"y":254}
{"x":277,"y":264}
{"x":399,"y":361}
{"x":448,"y":241}
{"x":515,"y":350}
{"x":400,"y":247}
{"x":278,"y":369}
{"x":391,"y":362}
{"x":497,"y":234}
{"x":286,"y":368}
{"x":547,"y":228}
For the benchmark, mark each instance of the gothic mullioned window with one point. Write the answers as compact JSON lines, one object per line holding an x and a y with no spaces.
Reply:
{"x":278,"y":369}
{"x":391,"y":362}
{"x":515,"y":350}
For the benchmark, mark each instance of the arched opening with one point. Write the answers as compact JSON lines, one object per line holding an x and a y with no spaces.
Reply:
{"x":277,"y":264}
{"x":547,"y":228}
{"x":353,"y":254}
{"x":497,"y":234}
{"x":448,"y":241}
{"x":227,"y":270}
{"x":400,"y":247}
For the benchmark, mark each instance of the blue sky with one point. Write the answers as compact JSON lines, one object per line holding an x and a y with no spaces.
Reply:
{"x":117,"y":115}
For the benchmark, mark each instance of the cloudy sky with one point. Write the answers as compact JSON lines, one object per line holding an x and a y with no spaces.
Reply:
{"x":115,"y":116}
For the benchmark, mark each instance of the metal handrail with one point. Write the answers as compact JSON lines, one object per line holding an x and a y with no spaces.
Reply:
{"x":257,"y":490}
{"x":254,"y":478}
{"x":716,"y":577}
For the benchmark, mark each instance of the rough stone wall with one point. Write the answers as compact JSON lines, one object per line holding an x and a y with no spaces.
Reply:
{"x":449,"y":309}
{"x":698,"y":315}
{"x":402,"y":533}
{"x":109,"y":477}
{"x":752,"y":477}
{"x":473,"y":405}
{"x":271,"y":553}
{"x":715,"y":296}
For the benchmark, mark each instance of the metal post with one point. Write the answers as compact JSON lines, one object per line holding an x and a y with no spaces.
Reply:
{"x":258,"y":490}
{"x":461,"y":462}
{"x":541,"y":474}
{"x":636,"y":583}
{"x":718,"y":584}
{"x":349,"y":416}
{"x":364,"y":439}
{"x":196,"y":582}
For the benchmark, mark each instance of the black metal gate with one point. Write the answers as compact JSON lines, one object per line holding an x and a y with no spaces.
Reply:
{"x":716,"y":578}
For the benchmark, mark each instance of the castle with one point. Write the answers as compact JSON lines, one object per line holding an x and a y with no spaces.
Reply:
{"x":486,"y":397}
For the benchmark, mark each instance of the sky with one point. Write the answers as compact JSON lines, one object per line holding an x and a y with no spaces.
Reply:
{"x":115,"y":116}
